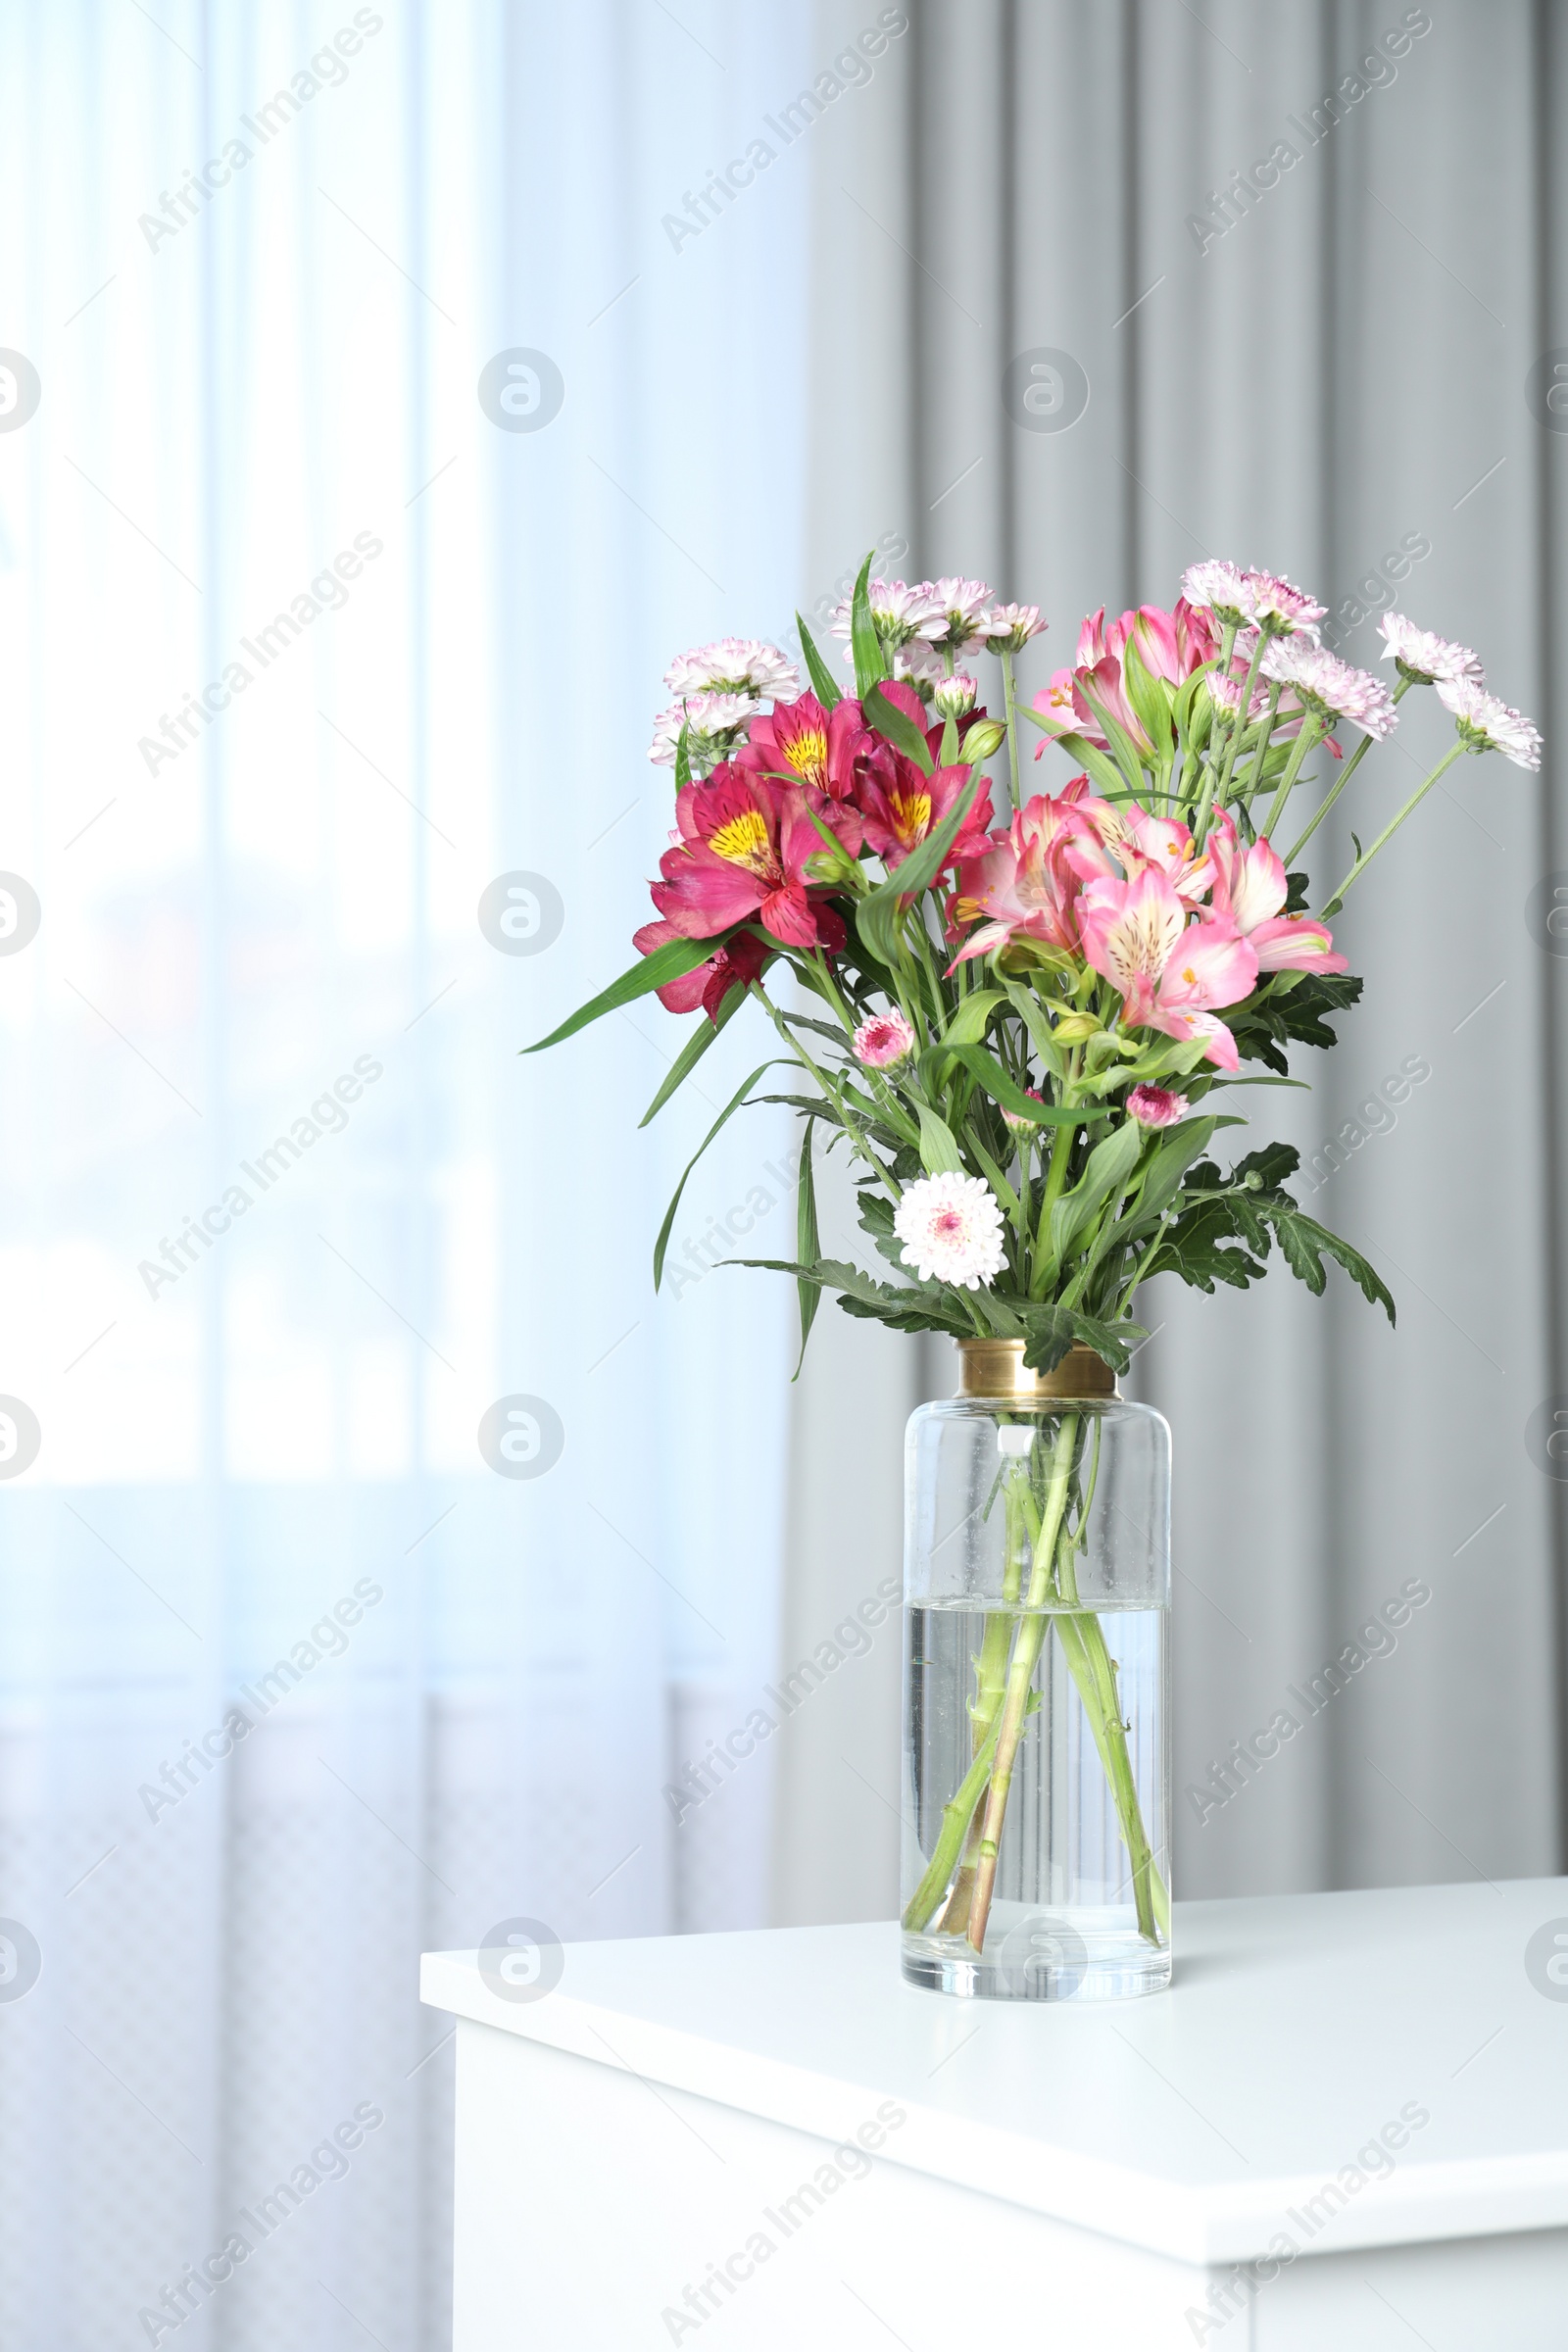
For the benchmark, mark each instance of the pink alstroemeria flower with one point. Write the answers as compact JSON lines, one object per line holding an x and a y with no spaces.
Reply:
{"x":745,"y":847}
{"x":1250,"y":889}
{"x":1028,"y":879}
{"x":1168,"y":845}
{"x":800,"y":740}
{"x":1170,"y":646}
{"x":1170,"y":973}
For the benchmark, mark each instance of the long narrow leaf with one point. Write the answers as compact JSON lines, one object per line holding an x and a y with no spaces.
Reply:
{"x":1123,"y":747}
{"x":807,"y":1242}
{"x":871,"y":664}
{"x":939,"y":1152}
{"x":691,"y":1051}
{"x":1004,"y":1089}
{"x":816,"y":669}
{"x":1105,"y":771}
{"x":683,"y":757}
{"x":672,"y":961}
{"x":728,"y":1112}
{"x":899,"y":728}
{"x":877,"y":916}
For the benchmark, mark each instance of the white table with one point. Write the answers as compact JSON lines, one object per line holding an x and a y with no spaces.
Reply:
{"x":1092,"y":2179}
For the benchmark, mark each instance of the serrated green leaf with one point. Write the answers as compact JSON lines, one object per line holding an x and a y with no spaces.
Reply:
{"x":816,"y":669}
{"x":928,"y":1308}
{"x":672,"y":961}
{"x":898,"y":728}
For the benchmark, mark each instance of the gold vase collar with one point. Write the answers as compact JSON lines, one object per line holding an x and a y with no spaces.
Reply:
{"x":996,"y":1368}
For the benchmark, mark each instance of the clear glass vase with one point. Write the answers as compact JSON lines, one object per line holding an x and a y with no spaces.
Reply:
{"x":1036,"y":1691}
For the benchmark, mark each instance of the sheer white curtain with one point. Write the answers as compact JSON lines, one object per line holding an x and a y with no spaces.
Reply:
{"x":329,"y":665}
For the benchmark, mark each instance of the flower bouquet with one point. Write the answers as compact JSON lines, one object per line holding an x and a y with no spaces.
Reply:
{"x":1021,"y":1014}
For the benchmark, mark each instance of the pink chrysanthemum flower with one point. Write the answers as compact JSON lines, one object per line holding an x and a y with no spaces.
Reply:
{"x":1015,"y":1122}
{"x":1487,"y":724}
{"x":1219,"y":587}
{"x":1330,"y":686}
{"x":716,"y":721}
{"x":884,"y":1041}
{"x":955,"y":697}
{"x":1425,"y":657}
{"x":1010,"y":627}
{"x":1156,"y":1106}
{"x":1226,"y":694}
{"x":1278,"y":608}
{"x":951,"y":1228}
{"x":734,"y":665}
{"x":964,"y":607}
{"x":898,"y":613}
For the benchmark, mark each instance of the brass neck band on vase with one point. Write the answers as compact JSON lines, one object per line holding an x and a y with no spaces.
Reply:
{"x":996,"y":1368}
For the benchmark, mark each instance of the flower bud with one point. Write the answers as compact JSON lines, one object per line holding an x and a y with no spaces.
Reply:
{"x":986,"y":736}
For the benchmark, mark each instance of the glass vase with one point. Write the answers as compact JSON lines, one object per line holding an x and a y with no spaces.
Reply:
{"x":1036,"y":1691}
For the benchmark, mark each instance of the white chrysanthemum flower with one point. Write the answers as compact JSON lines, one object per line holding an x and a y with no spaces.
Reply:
{"x":1325,"y":683}
{"x":951,"y":1228}
{"x":1279,"y":606}
{"x":899,"y":614}
{"x":1424,"y":655}
{"x":716,"y":723}
{"x":965,"y":610}
{"x":1488,"y":725}
{"x":1010,"y":627}
{"x":735,"y":665}
{"x":955,"y":697}
{"x":1219,"y":587}
{"x":1226,"y":694}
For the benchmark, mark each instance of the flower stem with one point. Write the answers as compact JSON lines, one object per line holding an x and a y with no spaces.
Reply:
{"x":1010,"y":701}
{"x":1345,"y":774}
{"x":1241,"y":710}
{"x":1389,"y":830}
{"x":1310,"y":736}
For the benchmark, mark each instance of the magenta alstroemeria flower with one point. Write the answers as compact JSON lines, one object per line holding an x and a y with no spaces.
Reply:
{"x":745,"y":848}
{"x":800,"y":740}
{"x":1250,"y":889}
{"x":736,"y":964}
{"x":1170,"y":973}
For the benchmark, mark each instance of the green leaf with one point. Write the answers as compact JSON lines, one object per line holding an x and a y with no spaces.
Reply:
{"x":905,"y":1309}
{"x":807,"y":1242}
{"x":1123,"y":748}
{"x":683,"y":759}
{"x":1101,"y":770}
{"x":691,"y":1051}
{"x":730,"y":1107}
{"x":939,"y":1153}
{"x":1053,"y":1329}
{"x":1012,"y":1204}
{"x":899,"y":728}
{"x":1002,"y":1089}
{"x":1170,"y":1160}
{"x":816,"y":669}
{"x":1107,"y":1170}
{"x":1032,"y":1013}
{"x":870,"y":664}
{"x":877,"y":918}
{"x":968,"y":1024}
{"x":1305,"y":1244}
{"x":672,"y":961}
{"x":1150,"y":700}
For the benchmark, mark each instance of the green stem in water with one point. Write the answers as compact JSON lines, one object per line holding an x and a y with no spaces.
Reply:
{"x":1389,"y":830}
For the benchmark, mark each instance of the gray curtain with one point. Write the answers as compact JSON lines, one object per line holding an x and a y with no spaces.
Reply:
{"x":1308,"y":261}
